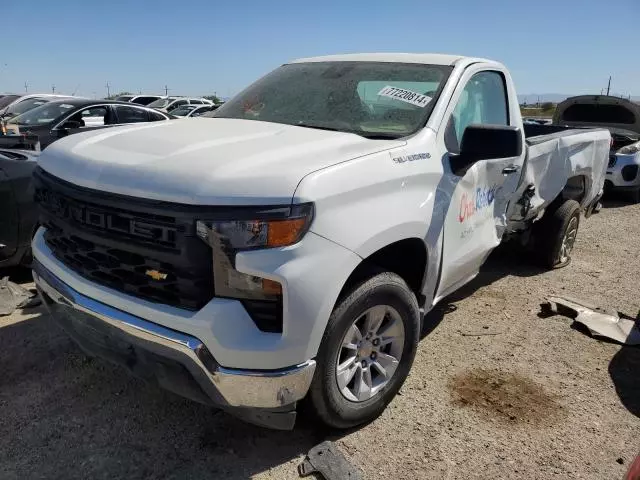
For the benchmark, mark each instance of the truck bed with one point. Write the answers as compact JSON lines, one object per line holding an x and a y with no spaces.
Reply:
{"x":532,"y":131}
{"x":560,"y":160}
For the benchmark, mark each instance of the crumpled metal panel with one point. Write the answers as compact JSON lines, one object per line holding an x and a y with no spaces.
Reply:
{"x":552,"y":159}
{"x":600,"y":322}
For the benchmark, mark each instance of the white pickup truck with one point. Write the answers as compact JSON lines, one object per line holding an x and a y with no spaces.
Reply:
{"x":288,"y":248}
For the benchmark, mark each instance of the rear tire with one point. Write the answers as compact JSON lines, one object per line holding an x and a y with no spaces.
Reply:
{"x":556,"y":234}
{"x":634,"y":196}
{"x":343,"y":401}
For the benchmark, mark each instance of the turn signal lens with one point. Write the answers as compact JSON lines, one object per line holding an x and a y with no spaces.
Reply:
{"x":270,"y":287}
{"x":285,"y":232}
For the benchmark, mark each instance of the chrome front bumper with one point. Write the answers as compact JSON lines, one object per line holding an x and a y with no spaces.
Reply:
{"x":174,"y":359}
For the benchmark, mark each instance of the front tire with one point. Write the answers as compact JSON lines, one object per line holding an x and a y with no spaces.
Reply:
{"x":366,"y":352}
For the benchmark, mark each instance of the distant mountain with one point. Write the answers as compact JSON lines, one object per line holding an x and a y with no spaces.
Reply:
{"x":533,"y":98}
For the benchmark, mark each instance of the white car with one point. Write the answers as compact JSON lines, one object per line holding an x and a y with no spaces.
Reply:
{"x":168,"y":104}
{"x":187,"y":111}
{"x":287,"y":248}
{"x":24,"y":103}
{"x":138,"y":99}
{"x":622,"y":118}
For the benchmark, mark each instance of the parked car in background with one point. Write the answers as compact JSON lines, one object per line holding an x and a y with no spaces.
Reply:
{"x":193,"y":110}
{"x":6,"y":99}
{"x":29,"y":102}
{"x":61,"y":118}
{"x":14,"y":105}
{"x":289,"y":246}
{"x":18,"y":215}
{"x":167,"y":104}
{"x":139,"y":99}
{"x":622,"y":118}
{"x":536,"y":121}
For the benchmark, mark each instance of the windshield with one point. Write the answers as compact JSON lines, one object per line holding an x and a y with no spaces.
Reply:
{"x":25,"y":106}
{"x":161,"y":102}
{"x":7,"y":99}
{"x":43,"y":114}
{"x":183,"y":110}
{"x":372,"y":99}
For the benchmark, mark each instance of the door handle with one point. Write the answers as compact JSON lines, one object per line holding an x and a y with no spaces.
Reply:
{"x":510,"y":169}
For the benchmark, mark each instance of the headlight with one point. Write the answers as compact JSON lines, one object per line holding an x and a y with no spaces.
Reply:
{"x":261,"y":228}
{"x":250,"y":229}
{"x":629,"y":149}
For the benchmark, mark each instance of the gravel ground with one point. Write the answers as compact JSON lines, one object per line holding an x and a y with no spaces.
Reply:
{"x":495,"y":392}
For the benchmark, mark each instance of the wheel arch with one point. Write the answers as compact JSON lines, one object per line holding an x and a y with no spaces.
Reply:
{"x":575,"y":188}
{"x":405,"y":257}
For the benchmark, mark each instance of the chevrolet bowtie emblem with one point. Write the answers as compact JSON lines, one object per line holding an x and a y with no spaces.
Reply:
{"x":156,"y":275}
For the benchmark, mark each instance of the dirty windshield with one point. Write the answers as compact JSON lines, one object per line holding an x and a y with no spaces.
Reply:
{"x":43,"y":114}
{"x":372,"y":99}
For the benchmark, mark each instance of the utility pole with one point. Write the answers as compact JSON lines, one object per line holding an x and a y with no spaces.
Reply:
{"x":166,"y":91}
{"x":53,"y":89}
{"x":609,"y":85}
{"x":108,"y":89}
{"x":26,"y":87}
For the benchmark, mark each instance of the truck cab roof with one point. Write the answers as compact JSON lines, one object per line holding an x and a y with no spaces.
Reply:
{"x":427,"y":58}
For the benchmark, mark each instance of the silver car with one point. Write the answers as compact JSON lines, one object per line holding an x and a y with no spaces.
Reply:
{"x":622,"y":118}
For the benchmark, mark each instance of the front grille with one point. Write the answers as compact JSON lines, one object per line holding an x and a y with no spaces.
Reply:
{"x":612,"y":161}
{"x":146,"y":249}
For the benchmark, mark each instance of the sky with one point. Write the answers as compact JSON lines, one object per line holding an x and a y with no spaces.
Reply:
{"x":200,"y":47}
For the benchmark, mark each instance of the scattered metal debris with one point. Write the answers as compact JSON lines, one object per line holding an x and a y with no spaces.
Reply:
{"x":13,"y":296}
{"x":600,"y":322}
{"x":327,"y":460}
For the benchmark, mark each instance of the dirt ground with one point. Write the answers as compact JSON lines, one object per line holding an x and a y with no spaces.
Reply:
{"x":496,"y":391}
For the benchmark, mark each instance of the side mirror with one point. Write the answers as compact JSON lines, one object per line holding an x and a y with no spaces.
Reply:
{"x":71,"y":124}
{"x":486,"y":142}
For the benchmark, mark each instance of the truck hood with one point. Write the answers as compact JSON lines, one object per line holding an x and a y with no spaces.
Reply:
{"x":203,"y":161}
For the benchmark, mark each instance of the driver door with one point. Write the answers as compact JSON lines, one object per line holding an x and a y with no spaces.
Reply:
{"x":91,"y":118}
{"x":475,"y":220}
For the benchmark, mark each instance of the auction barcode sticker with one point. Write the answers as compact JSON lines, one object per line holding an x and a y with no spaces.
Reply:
{"x":403,"y":95}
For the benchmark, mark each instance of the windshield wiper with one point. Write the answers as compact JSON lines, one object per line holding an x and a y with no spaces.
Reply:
{"x":378,"y":135}
{"x":361,"y":133}
{"x":320,"y":127}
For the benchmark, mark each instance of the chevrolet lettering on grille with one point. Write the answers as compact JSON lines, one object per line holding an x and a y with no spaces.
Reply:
{"x":98,"y":219}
